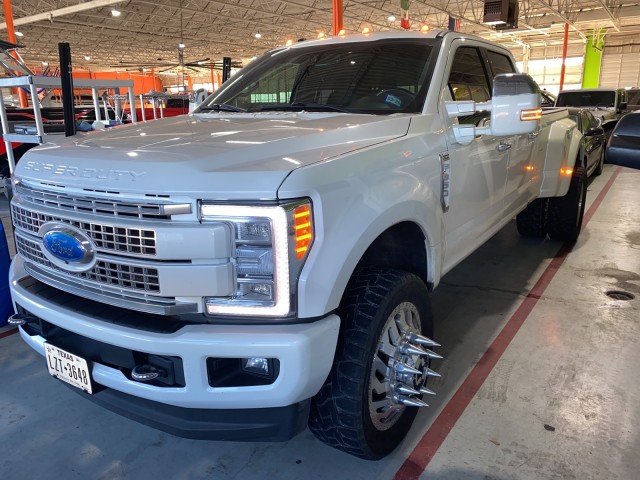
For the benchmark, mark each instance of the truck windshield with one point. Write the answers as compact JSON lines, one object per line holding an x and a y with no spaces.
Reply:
{"x":586,"y":99}
{"x":379,"y":77}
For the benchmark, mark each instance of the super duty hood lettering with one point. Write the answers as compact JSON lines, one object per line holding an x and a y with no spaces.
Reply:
{"x":84,"y":172}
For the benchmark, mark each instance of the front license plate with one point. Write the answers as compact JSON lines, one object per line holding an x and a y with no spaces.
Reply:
{"x":68,"y":367}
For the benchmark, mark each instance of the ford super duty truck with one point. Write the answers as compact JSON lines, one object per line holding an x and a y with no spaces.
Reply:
{"x":264,"y":264}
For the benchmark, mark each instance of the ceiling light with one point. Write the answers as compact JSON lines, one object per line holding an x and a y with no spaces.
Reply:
{"x":87,"y":57}
{"x":19,"y":34}
{"x":44,"y":64}
{"x":258,"y":35}
{"x":322,"y":35}
{"x":289,"y":42}
{"x":425,"y":28}
{"x":115,"y":13}
{"x":181,"y":46}
{"x":391,"y":18}
{"x":366,"y":30}
{"x":342,"y":33}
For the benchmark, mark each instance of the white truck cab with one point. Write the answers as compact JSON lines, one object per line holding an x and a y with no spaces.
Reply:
{"x":264,"y":263}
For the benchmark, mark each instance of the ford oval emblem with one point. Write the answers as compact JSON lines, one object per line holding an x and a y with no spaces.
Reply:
{"x":67,"y":247}
{"x":64,"y":246}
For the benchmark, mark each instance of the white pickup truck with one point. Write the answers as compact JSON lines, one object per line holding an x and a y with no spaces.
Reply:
{"x":264,"y":263}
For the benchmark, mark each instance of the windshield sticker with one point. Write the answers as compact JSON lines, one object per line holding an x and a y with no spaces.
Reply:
{"x":393,"y":100}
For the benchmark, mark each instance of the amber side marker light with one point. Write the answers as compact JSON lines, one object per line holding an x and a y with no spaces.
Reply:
{"x":566,"y":171}
{"x":303,"y":228}
{"x":531,"y":114}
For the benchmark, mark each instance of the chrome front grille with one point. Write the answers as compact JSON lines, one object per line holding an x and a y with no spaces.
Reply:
{"x":93,"y":205}
{"x":110,"y":273}
{"x":136,"y":241}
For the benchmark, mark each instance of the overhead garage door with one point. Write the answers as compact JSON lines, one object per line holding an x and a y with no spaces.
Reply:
{"x":620,"y":66}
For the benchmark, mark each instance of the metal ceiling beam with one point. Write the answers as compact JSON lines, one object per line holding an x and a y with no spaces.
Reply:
{"x":561,"y":16}
{"x":50,"y":15}
{"x":612,"y":17}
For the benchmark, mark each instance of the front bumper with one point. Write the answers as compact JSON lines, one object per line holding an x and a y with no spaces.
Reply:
{"x":305,"y":352}
{"x":276,"y":424}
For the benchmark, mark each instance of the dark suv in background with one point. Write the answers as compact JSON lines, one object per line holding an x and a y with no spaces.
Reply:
{"x":606,"y":104}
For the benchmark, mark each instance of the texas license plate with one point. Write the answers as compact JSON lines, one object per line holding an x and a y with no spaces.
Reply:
{"x":68,"y":367}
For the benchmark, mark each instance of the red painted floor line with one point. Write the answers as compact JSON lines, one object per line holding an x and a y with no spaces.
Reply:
{"x":8,"y":332}
{"x":431,"y":441}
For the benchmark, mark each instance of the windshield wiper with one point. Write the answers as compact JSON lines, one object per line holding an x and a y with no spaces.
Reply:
{"x":299,"y":106}
{"x":220,"y":107}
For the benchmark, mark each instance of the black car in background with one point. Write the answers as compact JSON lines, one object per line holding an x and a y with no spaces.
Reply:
{"x":593,"y":139}
{"x":624,"y":143}
{"x":547,"y":99}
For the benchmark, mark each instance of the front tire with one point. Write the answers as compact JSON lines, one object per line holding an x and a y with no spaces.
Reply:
{"x":532,"y":221}
{"x":364,"y":406}
{"x":598,"y":170}
{"x":565,"y":215}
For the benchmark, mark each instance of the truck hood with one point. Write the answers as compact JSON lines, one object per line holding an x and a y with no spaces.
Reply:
{"x":206,"y":155}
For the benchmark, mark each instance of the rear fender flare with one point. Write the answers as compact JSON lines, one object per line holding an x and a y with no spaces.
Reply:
{"x":563,"y":152}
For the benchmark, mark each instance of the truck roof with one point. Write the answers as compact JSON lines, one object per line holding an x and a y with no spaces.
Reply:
{"x":370,"y":37}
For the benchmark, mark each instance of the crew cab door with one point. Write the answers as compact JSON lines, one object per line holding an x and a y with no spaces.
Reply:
{"x":478,"y":171}
{"x":519,"y":173}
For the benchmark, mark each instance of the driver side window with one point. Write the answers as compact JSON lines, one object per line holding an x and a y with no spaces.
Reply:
{"x":468,"y":80}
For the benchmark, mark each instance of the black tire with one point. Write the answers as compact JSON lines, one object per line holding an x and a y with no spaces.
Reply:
{"x":341,"y":413}
{"x":532,"y":221}
{"x":564,"y":220}
{"x":598,"y":170}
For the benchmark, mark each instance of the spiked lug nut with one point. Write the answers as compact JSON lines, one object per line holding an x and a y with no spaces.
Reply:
{"x":404,"y":368}
{"x":408,"y":349}
{"x":426,"y":391}
{"x":421,"y":340}
{"x":431,"y":373}
{"x":412,"y":402}
{"x":406,"y":390}
{"x":432,"y":354}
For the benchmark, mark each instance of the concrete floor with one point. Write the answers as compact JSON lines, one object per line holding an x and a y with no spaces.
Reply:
{"x":562,"y":401}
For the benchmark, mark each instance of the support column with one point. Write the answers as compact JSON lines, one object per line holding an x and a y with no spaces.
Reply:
{"x":593,"y":59}
{"x":526,"y":54}
{"x":564,"y":54}
{"x":66,"y":80}
{"x":337,"y":17}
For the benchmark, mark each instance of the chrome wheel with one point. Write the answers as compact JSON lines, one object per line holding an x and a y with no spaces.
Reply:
{"x":400,"y":367}
{"x":381,"y":364}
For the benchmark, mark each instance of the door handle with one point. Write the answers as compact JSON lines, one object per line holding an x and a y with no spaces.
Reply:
{"x":504,"y":146}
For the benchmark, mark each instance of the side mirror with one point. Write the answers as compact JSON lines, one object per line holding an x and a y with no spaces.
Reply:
{"x":622,"y":106}
{"x":514,"y":106}
{"x":592,"y":132}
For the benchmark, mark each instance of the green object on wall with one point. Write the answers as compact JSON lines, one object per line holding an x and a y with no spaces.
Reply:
{"x":593,"y":59}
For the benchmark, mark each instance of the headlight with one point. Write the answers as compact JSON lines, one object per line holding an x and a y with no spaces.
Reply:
{"x":271,"y":245}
